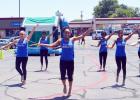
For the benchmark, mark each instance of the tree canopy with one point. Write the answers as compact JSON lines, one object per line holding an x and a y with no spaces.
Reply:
{"x":111,"y":8}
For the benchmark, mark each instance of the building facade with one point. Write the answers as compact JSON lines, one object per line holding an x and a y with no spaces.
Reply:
{"x":10,"y":26}
{"x":108,"y":24}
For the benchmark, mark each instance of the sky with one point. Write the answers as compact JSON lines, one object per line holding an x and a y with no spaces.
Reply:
{"x":71,"y":9}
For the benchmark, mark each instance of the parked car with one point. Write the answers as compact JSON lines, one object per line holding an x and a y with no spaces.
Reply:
{"x":127,"y":31}
{"x":10,"y":39}
{"x":3,"y":42}
{"x":97,"y":34}
{"x":116,"y":31}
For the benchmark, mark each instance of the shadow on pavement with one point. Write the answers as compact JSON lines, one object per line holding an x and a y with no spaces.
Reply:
{"x":138,"y":76}
{"x":55,"y":98}
{"x":15,"y":85}
{"x":114,"y":86}
{"x":39,"y":71}
{"x":117,"y":86}
{"x":42,"y":71}
{"x":61,"y":98}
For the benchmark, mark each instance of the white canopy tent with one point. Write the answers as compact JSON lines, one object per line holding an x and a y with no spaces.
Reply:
{"x":45,"y":24}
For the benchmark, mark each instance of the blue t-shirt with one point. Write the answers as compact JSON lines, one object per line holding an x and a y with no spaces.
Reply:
{"x":22,"y":48}
{"x":120,"y":48}
{"x":67,"y":50}
{"x":103,"y":47}
{"x":44,"y":41}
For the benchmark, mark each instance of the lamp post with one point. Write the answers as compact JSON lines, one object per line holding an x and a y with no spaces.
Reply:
{"x":19,"y":9}
{"x":94,"y":23}
{"x":19,"y":15}
{"x":81,"y":15}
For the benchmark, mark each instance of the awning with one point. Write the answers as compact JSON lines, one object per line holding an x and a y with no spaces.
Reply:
{"x":40,"y":20}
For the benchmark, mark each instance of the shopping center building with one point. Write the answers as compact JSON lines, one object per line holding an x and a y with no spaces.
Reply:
{"x":10,"y":26}
{"x":108,"y":24}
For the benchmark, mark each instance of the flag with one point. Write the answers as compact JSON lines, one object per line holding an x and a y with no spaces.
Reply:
{"x":63,"y":23}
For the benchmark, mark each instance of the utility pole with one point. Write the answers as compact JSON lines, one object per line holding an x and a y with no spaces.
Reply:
{"x":19,"y":14}
{"x":81,"y":15}
{"x":19,"y":9}
{"x":94,"y":23}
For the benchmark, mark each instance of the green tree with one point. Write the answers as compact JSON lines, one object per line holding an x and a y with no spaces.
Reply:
{"x":111,"y":8}
{"x":137,"y":12}
{"x":124,"y":12}
{"x":123,"y":6}
{"x":105,"y":8}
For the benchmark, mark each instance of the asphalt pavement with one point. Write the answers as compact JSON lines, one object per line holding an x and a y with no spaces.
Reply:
{"x":89,"y":84}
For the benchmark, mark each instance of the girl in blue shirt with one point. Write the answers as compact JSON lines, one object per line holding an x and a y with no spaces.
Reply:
{"x":67,"y":56}
{"x":103,"y":50}
{"x":120,"y":54}
{"x":44,"y":49}
{"x":22,"y":53}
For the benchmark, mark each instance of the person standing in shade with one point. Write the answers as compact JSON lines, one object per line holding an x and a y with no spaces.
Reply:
{"x":121,"y":54}
{"x":44,"y":49}
{"x":22,"y":52}
{"x":83,"y":41}
{"x":67,"y":56}
{"x":103,"y":50}
{"x":139,"y":47}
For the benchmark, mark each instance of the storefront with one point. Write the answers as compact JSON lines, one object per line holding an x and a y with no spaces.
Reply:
{"x":107,"y":24}
{"x":10,"y":26}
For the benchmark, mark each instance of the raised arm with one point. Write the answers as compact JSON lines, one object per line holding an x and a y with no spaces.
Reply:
{"x":133,"y":44}
{"x":52,"y":33}
{"x":110,"y":35}
{"x":82,"y":35}
{"x":9,"y":44}
{"x":31,"y":33}
{"x":34,"y":43}
{"x":99,"y":43}
{"x":55,"y":44}
{"x":129,"y":36}
{"x":110,"y":47}
{"x":39,"y":41}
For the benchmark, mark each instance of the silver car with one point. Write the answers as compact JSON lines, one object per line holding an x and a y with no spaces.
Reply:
{"x":3,"y":42}
{"x":127,"y":31}
{"x":96,"y":35}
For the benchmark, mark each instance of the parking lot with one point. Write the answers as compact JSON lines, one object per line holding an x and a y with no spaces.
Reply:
{"x":89,"y":84}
